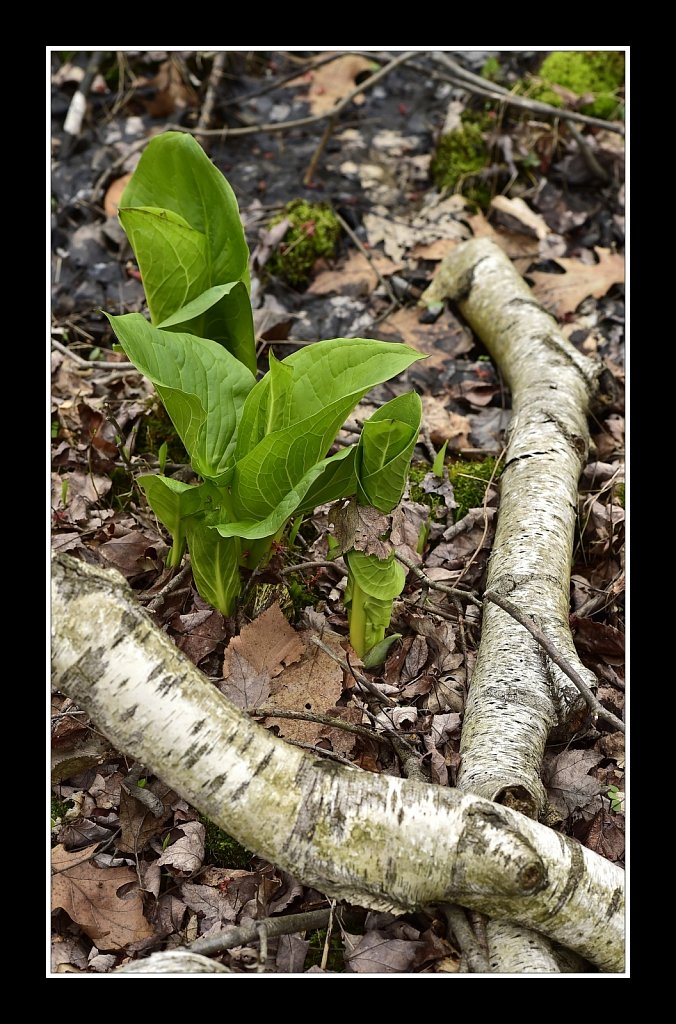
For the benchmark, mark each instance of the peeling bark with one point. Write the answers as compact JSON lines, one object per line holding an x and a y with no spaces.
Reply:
{"x":518,"y":696}
{"x":381,"y":842}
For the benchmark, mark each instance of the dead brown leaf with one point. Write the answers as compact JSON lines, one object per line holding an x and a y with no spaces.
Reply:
{"x":111,"y":202}
{"x":356,"y":277}
{"x":89,"y":895}
{"x":435,"y":250}
{"x":563,"y":293}
{"x":187,"y":853}
{"x":315,"y":683}
{"x":331,"y":82}
{"x":134,"y":553}
{"x":569,"y":786}
{"x":360,"y":527}
{"x":444,"y":425}
{"x":442,"y":341}
{"x":606,"y":835}
{"x":268,"y":643}
{"x":202,"y":631}
{"x":137,"y":823}
{"x":516,"y":211}
{"x":171,"y":91}
{"x":375,"y":953}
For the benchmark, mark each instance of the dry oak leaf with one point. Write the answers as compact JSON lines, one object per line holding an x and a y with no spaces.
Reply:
{"x":356,"y":277}
{"x":261,"y":651}
{"x":89,"y":895}
{"x":563,"y":293}
{"x":314,"y":684}
{"x":332,"y":81}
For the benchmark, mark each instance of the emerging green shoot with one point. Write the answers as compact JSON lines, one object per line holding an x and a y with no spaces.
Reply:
{"x":260,"y":448}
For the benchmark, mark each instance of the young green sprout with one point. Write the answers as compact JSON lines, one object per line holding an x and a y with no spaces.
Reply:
{"x":260,"y":448}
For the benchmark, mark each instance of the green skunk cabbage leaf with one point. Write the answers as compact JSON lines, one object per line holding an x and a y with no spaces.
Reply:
{"x":201,"y":384}
{"x":222,"y":314}
{"x":385,"y":449}
{"x":172,"y":256}
{"x":325,"y":375}
{"x":324,"y":478}
{"x":171,"y":501}
{"x":174,"y":174}
{"x":382,"y":580}
{"x":215,"y":563}
{"x":372,"y":586}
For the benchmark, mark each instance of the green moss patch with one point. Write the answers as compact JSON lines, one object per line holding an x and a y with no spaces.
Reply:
{"x":470,"y":480}
{"x":459,"y":156}
{"x":595,"y":73}
{"x":222,"y":850}
{"x":313,"y":233}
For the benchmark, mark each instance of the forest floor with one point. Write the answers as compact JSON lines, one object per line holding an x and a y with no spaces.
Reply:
{"x":554,"y":200}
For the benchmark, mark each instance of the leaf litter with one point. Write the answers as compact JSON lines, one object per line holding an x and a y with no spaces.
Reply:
{"x":566,"y":237}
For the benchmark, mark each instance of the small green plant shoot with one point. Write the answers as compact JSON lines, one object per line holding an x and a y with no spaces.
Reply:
{"x":260,"y":448}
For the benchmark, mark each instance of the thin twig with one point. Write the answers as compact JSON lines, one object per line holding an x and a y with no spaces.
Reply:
{"x":410,"y":760}
{"x":588,"y":156}
{"x":215,"y":76}
{"x":311,"y":716}
{"x":464,"y":595}
{"x":312,"y":565}
{"x":463,"y":640}
{"x":558,"y":659}
{"x":327,"y":940}
{"x":319,"y":149}
{"x":117,"y":165}
{"x":369,"y":256}
{"x":325,"y":753}
{"x":301,"y":122}
{"x":468,"y":942}
{"x":365,"y":683}
{"x":296,"y":73}
{"x":482,"y":87}
{"x":245,"y":934}
{"x":173,"y":584}
{"x":426,"y":441}
{"x":91,"y":364}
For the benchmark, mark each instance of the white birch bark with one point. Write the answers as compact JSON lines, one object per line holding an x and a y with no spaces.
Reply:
{"x":518,"y":696}
{"x":381,"y":842}
{"x":174,"y":962}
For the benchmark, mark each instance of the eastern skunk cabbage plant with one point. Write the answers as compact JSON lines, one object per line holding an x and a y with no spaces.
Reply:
{"x":260,"y":448}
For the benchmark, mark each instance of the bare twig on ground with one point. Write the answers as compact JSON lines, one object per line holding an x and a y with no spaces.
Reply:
{"x":243,"y":935}
{"x":410,"y":759}
{"x":368,"y":255}
{"x":470,"y":947}
{"x":299,"y":566}
{"x":482,"y":87}
{"x":587,"y":155}
{"x":325,"y":753}
{"x":527,"y":623}
{"x":311,"y":716}
{"x":463,"y":595}
{"x":174,"y":583}
{"x":558,"y":659}
{"x":463,"y":640}
{"x":91,"y":364}
{"x":363,"y":682}
{"x":301,"y":122}
{"x":319,"y":149}
{"x":215,"y":76}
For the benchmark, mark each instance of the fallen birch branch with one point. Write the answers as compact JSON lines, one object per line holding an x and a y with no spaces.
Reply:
{"x":374,"y":840}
